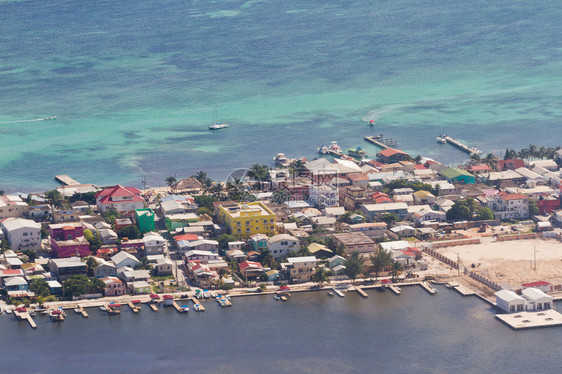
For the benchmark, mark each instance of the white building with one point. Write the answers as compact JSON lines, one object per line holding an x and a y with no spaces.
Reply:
{"x":282,"y":244}
{"x":123,"y":259}
{"x":201,"y":255}
{"x":22,"y":234}
{"x":509,"y":206}
{"x":536,"y":299}
{"x":509,"y":301}
{"x":301,"y":269}
{"x":154,"y":243}
{"x":12,"y":206}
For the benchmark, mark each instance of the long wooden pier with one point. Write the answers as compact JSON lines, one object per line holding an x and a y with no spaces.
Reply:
{"x":461,"y":146}
{"x":82,"y":311}
{"x":376,"y":140}
{"x":25,"y":316}
{"x":338,"y":292}
{"x":66,"y":180}
{"x":426,"y":286}
{"x":134,"y":308}
{"x":395,"y":289}
{"x":195,"y":301}
{"x":360,"y":291}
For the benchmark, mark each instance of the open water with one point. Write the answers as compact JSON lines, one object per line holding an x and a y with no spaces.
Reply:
{"x":136,"y":83}
{"x":311,"y":333}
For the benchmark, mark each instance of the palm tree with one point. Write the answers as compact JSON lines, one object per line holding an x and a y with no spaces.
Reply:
{"x":320,"y":276}
{"x":532,"y":150}
{"x":353,"y":266}
{"x":395,"y":270}
{"x":170,"y":181}
{"x":200,"y":176}
{"x":380,"y":260}
{"x":217,"y":189}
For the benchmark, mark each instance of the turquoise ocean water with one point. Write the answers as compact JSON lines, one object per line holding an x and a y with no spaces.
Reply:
{"x":134,"y":84}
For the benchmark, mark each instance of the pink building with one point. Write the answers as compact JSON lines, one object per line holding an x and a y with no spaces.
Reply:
{"x":113,"y":286}
{"x":67,"y":240}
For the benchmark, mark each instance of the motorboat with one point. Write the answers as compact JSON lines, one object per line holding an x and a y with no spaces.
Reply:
{"x":357,"y":152}
{"x":218,"y":126}
{"x":197,"y":307}
{"x":276,"y":297}
{"x":441,"y":139}
{"x":185,"y":308}
{"x":57,"y":315}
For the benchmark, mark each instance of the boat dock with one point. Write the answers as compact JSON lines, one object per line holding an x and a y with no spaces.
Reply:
{"x":195,"y":301}
{"x":465,"y":291}
{"x":82,"y":311}
{"x":461,"y":146}
{"x":338,"y":292}
{"x":426,"y":286}
{"x":394,"y":289}
{"x":66,"y":180}
{"x":377,"y":140}
{"x":177,"y":307}
{"x":361,"y":292}
{"x":528,"y":320}
{"x":153,"y":307}
{"x":25,"y":316}
{"x":134,"y":308}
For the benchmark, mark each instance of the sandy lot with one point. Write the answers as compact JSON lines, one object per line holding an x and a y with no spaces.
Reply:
{"x":512,"y":263}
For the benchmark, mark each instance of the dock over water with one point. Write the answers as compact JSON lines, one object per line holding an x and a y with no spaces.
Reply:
{"x":82,"y":311}
{"x":66,"y":180}
{"x":395,"y":289}
{"x":25,"y":316}
{"x":195,"y":301}
{"x":134,"y":308}
{"x":361,"y":292}
{"x":461,"y":146}
{"x":377,"y":140}
{"x":153,"y":307}
{"x":338,"y":292}
{"x":426,"y":286}
{"x":527,"y":320}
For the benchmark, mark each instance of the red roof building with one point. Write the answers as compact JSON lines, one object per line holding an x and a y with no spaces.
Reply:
{"x":123,"y":199}
{"x":391,"y":155}
{"x":250,"y":268}
{"x":541,"y":285}
{"x":510,"y":164}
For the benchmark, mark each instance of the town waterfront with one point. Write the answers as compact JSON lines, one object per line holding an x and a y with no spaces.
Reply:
{"x":134,"y":84}
{"x":384,"y":333}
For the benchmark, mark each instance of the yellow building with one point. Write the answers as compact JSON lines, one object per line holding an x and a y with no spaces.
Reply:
{"x":247,"y":219}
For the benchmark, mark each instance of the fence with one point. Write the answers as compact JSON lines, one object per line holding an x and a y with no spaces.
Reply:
{"x":452,"y":243}
{"x":442,"y":258}
{"x":531,"y":235}
{"x":485,"y":281}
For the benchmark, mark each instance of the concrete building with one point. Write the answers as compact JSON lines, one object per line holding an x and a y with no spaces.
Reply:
{"x":244,"y":220}
{"x":300,"y":269}
{"x":355,"y":242}
{"x":282,"y":244}
{"x":154,"y":243}
{"x":67,"y":240}
{"x":22,"y":234}
{"x":509,"y":301}
{"x":12,"y":206}
{"x":372,"y":211}
{"x":124,"y":200}
{"x":536,"y":299}
{"x":145,"y":219}
{"x":509,"y":206}
{"x":65,"y":268}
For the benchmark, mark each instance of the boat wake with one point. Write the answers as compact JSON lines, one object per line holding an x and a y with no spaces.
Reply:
{"x":30,"y":120}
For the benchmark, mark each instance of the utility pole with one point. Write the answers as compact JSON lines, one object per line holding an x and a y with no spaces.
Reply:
{"x":535,"y":255}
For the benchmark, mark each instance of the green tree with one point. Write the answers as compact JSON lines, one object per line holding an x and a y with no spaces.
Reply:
{"x":94,"y":240}
{"x":55,"y":198}
{"x":80,"y":285}
{"x":533,"y":207}
{"x":463,"y":210}
{"x":39,"y":287}
{"x":381,"y":259}
{"x":395,"y":270}
{"x":224,"y":239}
{"x":91,"y":264}
{"x":354,"y":266}
{"x":110,"y":216}
{"x":484,"y":213}
{"x":170,"y":181}
{"x":320,"y":276}
{"x":205,"y":201}
{"x":4,"y":246}
{"x":143,"y":265}
{"x":200,"y":176}
{"x":204,"y":210}
{"x":389,"y":218}
{"x":88,"y":197}
{"x":131,"y":232}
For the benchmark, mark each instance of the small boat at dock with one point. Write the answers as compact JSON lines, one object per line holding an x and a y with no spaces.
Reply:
{"x":331,"y":293}
{"x":197,"y":307}
{"x":441,"y":140}
{"x":185,"y":308}
{"x":357,"y":152}
{"x":57,"y":315}
{"x":276,"y":297}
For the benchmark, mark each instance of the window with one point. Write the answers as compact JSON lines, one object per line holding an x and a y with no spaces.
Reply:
{"x":24,"y":234}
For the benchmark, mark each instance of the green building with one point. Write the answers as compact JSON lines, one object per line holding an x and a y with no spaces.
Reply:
{"x":145,"y":219}
{"x":458,"y":175}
